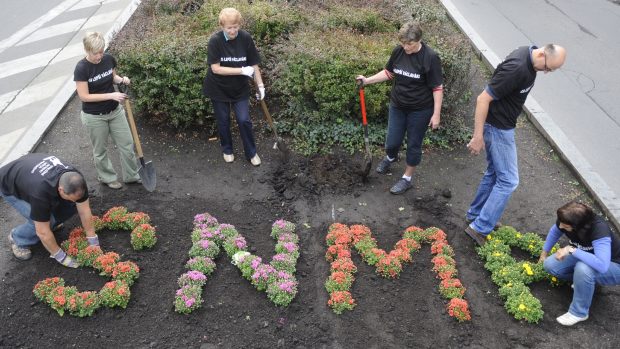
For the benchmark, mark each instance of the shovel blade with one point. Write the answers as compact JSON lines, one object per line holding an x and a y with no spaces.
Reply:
{"x":148,"y":176}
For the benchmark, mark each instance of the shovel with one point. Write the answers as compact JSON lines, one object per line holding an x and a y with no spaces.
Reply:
{"x":367,"y":156}
{"x":146,"y":170}
{"x":279,"y":143}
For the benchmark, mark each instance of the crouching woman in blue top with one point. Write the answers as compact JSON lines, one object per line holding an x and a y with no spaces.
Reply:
{"x":592,"y":256}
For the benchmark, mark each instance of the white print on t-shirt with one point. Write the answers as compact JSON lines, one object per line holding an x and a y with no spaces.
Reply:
{"x":526,"y":90}
{"x":233,"y":59}
{"x":406,"y":73}
{"x":584,"y":248}
{"x":44,"y":166}
{"x":99,"y":76}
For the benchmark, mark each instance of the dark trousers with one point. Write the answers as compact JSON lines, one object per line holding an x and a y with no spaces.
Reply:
{"x":415,"y":124}
{"x":242,"y":114}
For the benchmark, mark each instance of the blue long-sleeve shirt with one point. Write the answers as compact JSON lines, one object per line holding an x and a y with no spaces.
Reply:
{"x":599,"y":260}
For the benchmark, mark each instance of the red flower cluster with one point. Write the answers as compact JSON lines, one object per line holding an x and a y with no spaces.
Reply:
{"x":341,"y":238}
{"x":116,"y":293}
{"x":106,"y":263}
{"x":76,"y":242}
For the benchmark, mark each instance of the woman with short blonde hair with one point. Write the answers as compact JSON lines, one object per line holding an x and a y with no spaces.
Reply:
{"x":102,"y":112}
{"x":233,"y":60}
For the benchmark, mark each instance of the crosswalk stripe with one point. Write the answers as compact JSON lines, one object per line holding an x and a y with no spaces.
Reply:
{"x":90,"y":3}
{"x":9,"y":139}
{"x":23,"y":64}
{"x":36,"y":24}
{"x":36,"y":93}
{"x":70,"y":27}
{"x":6,"y":98}
{"x":39,"y":60}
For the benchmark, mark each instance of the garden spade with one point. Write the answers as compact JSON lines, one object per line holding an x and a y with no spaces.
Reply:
{"x":279,"y":143}
{"x":367,"y":156}
{"x":146,"y":170}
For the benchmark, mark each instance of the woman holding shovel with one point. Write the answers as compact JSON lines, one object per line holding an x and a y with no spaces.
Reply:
{"x":102,"y":113}
{"x":232,"y":60}
{"x":415,"y":101}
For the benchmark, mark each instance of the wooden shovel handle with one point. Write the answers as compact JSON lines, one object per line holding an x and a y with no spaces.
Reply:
{"x":134,"y":130}
{"x":267,"y":114}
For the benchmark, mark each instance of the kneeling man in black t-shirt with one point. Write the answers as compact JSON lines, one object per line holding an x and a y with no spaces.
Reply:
{"x":46,"y":192}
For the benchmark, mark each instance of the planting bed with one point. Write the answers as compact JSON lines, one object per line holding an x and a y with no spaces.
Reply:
{"x":312,"y":193}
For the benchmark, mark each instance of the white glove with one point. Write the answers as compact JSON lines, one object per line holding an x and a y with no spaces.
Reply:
{"x":261,"y":93}
{"x":61,"y":257}
{"x":247,"y":71}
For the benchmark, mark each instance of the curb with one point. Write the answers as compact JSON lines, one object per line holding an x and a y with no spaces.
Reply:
{"x":31,"y":139}
{"x":579,"y":165}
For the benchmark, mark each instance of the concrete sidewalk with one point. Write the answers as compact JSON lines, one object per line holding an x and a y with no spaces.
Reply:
{"x":576,"y":107}
{"x":37,"y":63}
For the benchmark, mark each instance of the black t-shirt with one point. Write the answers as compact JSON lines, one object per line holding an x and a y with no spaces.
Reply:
{"x":600,"y":229}
{"x":415,"y":76}
{"x":100,"y":80}
{"x":511,"y":83}
{"x":236,"y":53}
{"x":34,"y":178}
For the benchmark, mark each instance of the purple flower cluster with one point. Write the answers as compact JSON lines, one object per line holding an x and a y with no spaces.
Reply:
{"x":277,"y":277}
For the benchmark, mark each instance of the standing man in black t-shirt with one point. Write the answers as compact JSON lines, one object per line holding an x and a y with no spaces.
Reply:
{"x":46,"y":192}
{"x":497,"y":109}
{"x":415,"y":101}
{"x":233,"y":59}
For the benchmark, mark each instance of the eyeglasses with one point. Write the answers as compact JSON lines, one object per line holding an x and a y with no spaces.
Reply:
{"x":547,"y":70}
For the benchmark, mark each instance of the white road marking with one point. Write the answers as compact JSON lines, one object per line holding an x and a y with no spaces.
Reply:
{"x":36,"y":24}
{"x":7,"y":140}
{"x":6,"y":98}
{"x":36,"y":93}
{"x":70,"y":27}
{"x":39,"y":60}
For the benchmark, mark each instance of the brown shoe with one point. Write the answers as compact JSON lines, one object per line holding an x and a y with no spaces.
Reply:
{"x":497,"y":225}
{"x":476,"y":236}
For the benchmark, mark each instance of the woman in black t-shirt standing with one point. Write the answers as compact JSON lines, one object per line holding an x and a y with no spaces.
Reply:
{"x":233,"y":59}
{"x":415,"y":101}
{"x":102,"y":113}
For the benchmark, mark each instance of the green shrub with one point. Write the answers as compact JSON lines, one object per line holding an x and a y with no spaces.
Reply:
{"x":311,"y":54}
{"x":167,"y":73}
{"x":265,"y":20}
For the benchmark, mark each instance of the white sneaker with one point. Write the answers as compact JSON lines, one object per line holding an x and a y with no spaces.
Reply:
{"x":569,"y":319}
{"x":255,"y":160}
{"x":229,"y":157}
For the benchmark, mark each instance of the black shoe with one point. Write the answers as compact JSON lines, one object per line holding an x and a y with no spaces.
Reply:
{"x":384,"y":165}
{"x":401,"y":186}
{"x":497,"y":225}
{"x":476,"y":236}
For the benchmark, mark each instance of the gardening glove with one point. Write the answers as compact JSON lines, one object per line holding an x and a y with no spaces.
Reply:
{"x":247,"y":71}
{"x":93,"y":240}
{"x":62,"y":258}
{"x":261,"y":92}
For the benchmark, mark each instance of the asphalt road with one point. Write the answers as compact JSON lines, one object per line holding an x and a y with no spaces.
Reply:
{"x":579,"y":103}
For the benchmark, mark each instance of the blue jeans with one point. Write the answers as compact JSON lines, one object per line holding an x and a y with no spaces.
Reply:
{"x":499,"y":181}
{"x":242,"y":114}
{"x":415,"y":123}
{"x":26,"y":234}
{"x":584,"y":280}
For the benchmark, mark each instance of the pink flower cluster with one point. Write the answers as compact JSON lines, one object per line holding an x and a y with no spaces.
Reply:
{"x":209,"y":237}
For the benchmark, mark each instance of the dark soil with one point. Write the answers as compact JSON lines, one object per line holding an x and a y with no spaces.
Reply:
{"x":311,"y":192}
